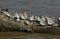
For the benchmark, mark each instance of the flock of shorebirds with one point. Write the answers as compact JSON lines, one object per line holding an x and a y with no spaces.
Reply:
{"x":42,"y":20}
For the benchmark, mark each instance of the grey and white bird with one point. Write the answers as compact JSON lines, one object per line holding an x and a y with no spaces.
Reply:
{"x":43,"y":21}
{"x":31,"y":18}
{"x":38,"y":19}
{"x":5,"y":11}
{"x":58,"y":19}
{"x":16,"y":17}
{"x":52,"y":21}
{"x":23,"y":16}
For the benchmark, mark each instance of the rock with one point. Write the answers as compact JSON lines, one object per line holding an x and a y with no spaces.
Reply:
{"x":10,"y":25}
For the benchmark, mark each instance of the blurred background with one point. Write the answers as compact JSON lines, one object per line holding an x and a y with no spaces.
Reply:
{"x":33,"y":7}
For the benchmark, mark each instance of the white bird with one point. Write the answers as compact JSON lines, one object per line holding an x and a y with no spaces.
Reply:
{"x":26,"y":15}
{"x":52,"y":21}
{"x":5,"y":11}
{"x":38,"y":19}
{"x":23,"y":16}
{"x":43,"y":21}
{"x":43,"y":18}
{"x":56,"y":22}
{"x":16,"y":16}
{"x":59,"y":19}
{"x":31,"y":18}
{"x":49,"y":21}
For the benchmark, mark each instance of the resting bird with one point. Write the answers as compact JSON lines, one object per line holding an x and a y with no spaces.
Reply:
{"x":16,"y":17}
{"x":43,"y":21}
{"x":31,"y":18}
{"x":23,"y":16}
{"x":52,"y":21}
{"x":5,"y":11}
{"x":38,"y":19}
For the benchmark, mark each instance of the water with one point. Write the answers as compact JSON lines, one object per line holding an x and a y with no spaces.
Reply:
{"x":34,"y":7}
{"x":24,"y":35}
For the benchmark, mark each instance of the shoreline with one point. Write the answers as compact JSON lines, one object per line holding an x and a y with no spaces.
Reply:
{"x":10,"y":25}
